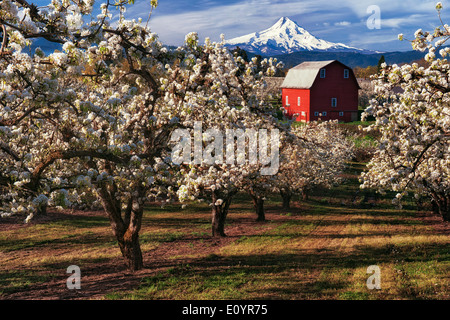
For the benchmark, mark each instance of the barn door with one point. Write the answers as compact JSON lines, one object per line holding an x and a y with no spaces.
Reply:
{"x":303,"y":116}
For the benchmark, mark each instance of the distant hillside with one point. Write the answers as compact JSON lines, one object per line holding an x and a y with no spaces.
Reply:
{"x":351,"y":59}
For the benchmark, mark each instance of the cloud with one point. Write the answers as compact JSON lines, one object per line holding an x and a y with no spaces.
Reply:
{"x":403,"y":21}
{"x":342,"y":23}
{"x":173,"y":19}
{"x":233,"y":19}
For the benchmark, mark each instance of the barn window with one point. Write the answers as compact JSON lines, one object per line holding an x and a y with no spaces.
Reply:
{"x":334,"y":102}
{"x":341,"y":114}
{"x":324,"y":113}
{"x":298,"y":101}
{"x":346,"y":73}
{"x":287,"y":100}
{"x":322,"y":73}
{"x":316,"y":114}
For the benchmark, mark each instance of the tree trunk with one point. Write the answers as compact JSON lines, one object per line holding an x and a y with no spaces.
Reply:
{"x":435,"y":207}
{"x":440,"y":202}
{"x":444,"y":207}
{"x":446,"y":214}
{"x":258,"y":203}
{"x":126,"y":228}
{"x":131,"y":250}
{"x":286,"y":196}
{"x":42,"y":210}
{"x":218,"y":222}
{"x":305,"y":195}
{"x":219,"y":215}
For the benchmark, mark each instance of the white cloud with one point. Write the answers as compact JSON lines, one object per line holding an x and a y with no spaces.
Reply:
{"x":233,"y":19}
{"x":342,"y":24}
{"x":317,"y":16}
{"x":403,"y":21}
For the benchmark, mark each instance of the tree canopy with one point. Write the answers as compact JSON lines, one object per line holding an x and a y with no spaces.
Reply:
{"x":414,"y":152}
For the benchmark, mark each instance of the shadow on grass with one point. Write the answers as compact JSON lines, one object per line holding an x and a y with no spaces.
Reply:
{"x":310,"y":260}
{"x":19,"y":280}
{"x":229,"y":276}
{"x":270,"y":276}
{"x":80,"y":221}
{"x":87,"y":238}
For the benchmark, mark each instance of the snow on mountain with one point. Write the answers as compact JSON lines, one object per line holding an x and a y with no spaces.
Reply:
{"x":286,"y":36}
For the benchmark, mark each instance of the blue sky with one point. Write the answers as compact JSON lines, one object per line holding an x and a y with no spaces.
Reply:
{"x":337,"y":21}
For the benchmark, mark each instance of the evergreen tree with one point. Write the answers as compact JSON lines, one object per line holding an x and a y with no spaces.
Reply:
{"x":380,"y":62}
{"x":240,"y":53}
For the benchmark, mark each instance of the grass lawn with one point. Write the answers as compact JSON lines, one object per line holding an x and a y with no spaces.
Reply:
{"x":320,"y":249}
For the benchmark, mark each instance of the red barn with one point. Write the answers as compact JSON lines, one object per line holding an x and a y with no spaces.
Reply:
{"x":325,"y":90}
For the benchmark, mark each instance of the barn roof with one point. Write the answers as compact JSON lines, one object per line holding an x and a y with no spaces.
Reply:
{"x":303,"y":75}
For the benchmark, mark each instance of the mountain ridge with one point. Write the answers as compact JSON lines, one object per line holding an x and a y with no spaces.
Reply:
{"x":351,"y":59}
{"x":285,"y":37}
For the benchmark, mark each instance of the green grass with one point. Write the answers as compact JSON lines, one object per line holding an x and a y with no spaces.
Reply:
{"x":17,"y":280}
{"x":364,"y":141}
{"x":320,"y":249}
{"x":362,"y":123}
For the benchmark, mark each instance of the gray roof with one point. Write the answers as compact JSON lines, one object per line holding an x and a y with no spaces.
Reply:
{"x":303,"y":75}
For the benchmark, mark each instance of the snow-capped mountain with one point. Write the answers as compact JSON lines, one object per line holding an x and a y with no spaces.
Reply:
{"x":286,"y":36}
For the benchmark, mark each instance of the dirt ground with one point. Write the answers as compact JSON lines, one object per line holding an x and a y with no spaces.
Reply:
{"x":111,"y":276}
{"x":105,"y":277}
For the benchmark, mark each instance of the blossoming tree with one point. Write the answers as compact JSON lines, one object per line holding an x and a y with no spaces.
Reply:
{"x":316,"y":156}
{"x":96,"y":118}
{"x":259,"y":187}
{"x":414,"y":151}
{"x":233,"y":147}
{"x":91,"y":118}
{"x":311,"y":155}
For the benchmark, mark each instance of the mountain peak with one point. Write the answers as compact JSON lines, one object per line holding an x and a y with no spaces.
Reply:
{"x":282,"y":21}
{"x":286,"y":36}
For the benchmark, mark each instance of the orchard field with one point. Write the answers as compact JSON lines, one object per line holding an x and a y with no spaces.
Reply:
{"x":113,"y":161}
{"x":320,"y":249}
